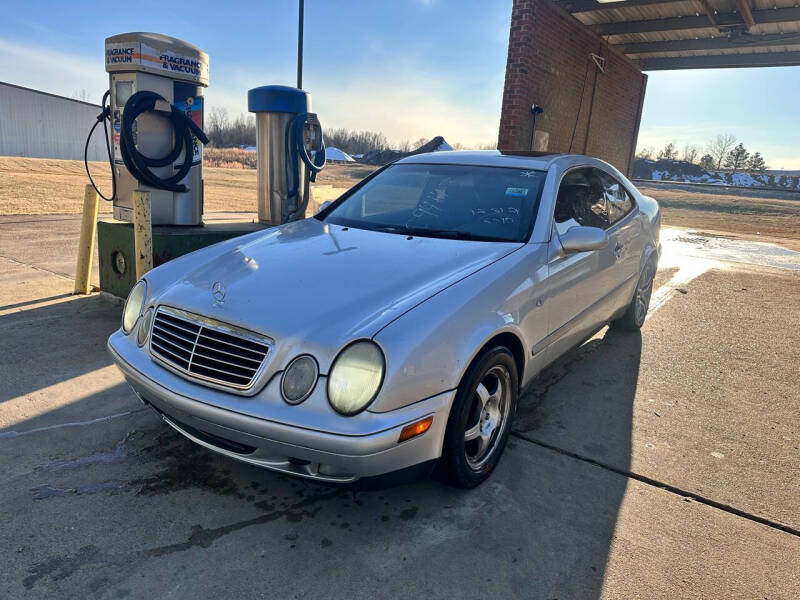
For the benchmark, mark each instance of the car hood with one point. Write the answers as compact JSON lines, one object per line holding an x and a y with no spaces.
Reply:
{"x":309,"y":281}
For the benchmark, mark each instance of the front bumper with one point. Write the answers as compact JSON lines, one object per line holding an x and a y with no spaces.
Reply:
{"x":368,"y":448}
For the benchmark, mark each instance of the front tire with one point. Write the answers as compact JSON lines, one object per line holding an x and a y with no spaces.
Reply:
{"x":480,"y":419}
{"x":636,"y":313}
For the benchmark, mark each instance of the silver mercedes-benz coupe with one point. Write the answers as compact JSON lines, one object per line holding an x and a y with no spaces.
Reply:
{"x":395,"y":330}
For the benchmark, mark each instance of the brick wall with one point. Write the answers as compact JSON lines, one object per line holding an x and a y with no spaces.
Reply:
{"x":548,"y":54}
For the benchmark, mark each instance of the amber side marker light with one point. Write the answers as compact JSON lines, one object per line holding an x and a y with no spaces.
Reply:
{"x":415,"y":429}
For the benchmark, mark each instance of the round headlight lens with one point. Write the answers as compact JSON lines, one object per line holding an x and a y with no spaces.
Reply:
{"x":299,"y":379}
{"x":144,"y":327}
{"x":133,"y":306}
{"x":355,"y":377}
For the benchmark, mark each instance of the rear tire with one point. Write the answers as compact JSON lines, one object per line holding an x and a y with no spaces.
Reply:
{"x":636,"y":313}
{"x":480,"y":419}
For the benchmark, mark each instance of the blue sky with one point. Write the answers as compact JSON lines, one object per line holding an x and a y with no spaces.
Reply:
{"x":409,"y":68}
{"x":760,"y":106}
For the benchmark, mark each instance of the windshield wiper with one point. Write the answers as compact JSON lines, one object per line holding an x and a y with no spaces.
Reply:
{"x":453,"y":234}
{"x":448,"y":233}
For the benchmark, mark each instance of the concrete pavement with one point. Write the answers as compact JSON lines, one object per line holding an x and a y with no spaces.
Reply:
{"x":659,"y":465}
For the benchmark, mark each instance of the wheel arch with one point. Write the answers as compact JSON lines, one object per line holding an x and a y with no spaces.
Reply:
{"x":650,"y":253}
{"x":509,"y":340}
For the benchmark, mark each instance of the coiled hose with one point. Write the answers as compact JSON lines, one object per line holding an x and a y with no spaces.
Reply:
{"x":137,"y":163}
{"x":295,"y":147}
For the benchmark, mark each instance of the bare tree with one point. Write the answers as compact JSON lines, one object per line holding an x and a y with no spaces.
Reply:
{"x":218,"y":127}
{"x":420,"y":142}
{"x":719,"y":147}
{"x":669,"y":152}
{"x":224,"y":133}
{"x":355,"y":142}
{"x":690,"y":153}
{"x":646,"y":153}
{"x":707,"y":162}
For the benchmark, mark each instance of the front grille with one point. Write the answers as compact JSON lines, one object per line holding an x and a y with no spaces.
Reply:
{"x":207,"y":350}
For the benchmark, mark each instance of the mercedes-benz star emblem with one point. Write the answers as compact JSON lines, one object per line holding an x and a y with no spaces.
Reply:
{"x":218,"y":292}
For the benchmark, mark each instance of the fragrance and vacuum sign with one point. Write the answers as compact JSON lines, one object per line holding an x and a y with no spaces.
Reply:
{"x":172,"y":63}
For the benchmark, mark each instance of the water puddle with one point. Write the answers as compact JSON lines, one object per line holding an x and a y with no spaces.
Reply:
{"x":45,"y":491}
{"x":693,"y":253}
{"x":117,"y":455}
{"x":691,"y":244}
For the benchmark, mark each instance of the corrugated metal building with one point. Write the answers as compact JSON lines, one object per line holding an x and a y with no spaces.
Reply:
{"x":40,"y":125}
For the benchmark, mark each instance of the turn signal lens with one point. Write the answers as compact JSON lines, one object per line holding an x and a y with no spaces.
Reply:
{"x":415,"y":429}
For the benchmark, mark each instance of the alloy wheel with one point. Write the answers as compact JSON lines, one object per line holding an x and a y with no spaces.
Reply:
{"x":488,"y":418}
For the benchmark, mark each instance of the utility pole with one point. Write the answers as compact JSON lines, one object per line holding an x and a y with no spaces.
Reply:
{"x":300,"y":45}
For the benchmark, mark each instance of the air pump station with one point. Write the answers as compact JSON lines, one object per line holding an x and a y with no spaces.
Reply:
{"x":286,"y":133}
{"x":156,"y":84}
{"x":155,"y":107}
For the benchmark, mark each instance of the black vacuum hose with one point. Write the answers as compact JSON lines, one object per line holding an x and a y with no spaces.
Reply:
{"x":137,"y":163}
{"x":104,"y":116}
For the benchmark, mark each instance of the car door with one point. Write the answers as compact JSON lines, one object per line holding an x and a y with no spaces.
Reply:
{"x":578,"y":282}
{"x":626,"y":238}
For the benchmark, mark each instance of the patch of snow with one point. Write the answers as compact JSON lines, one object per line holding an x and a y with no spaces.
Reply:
{"x":681,"y":171}
{"x":443,"y":147}
{"x":336,"y":155}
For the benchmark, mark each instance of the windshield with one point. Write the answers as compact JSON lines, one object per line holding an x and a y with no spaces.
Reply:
{"x":450,"y":201}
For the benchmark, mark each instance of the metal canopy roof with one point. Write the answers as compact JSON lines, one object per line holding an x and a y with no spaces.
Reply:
{"x":696,"y":34}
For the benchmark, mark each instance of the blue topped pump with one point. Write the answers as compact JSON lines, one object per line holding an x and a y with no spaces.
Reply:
{"x":290,"y":151}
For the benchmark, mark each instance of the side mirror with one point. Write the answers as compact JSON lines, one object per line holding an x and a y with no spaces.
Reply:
{"x":325,"y":205}
{"x":583,"y":239}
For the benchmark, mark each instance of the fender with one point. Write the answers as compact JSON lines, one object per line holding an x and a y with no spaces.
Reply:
{"x":429,"y":348}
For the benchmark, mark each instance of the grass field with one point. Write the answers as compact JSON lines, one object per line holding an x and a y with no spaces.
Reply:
{"x":31,"y":186}
{"x":34,"y":186}
{"x":753,"y":218}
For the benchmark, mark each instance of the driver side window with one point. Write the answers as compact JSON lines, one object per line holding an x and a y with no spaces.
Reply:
{"x":581,"y":201}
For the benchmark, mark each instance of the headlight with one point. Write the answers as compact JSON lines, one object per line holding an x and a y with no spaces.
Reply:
{"x":299,"y":379}
{"x":355,"y":377}
{"x":144,"y":327}
{"x":133,"y":306}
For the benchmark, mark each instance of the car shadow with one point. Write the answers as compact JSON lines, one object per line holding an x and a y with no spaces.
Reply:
{"x":581,"y":408}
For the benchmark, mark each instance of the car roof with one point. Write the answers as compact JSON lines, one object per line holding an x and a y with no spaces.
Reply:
{"x":496,"y":158}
